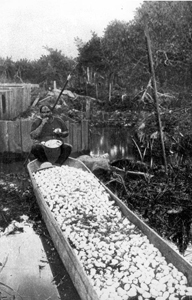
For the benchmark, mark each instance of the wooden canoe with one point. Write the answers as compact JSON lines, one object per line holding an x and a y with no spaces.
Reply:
{"x":68,"y":256}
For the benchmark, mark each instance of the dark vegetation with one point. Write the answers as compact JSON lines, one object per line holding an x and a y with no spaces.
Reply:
{"x":114,"y":71}
{"x":164,"y":203}
{"x":16,"y":199}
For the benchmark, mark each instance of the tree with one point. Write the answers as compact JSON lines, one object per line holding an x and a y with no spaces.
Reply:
{"x":113,"y":49}
{"x":7,"y":69}
{"x":90,"y":63}
{"x":170,"y":28}
{"x":24,"y":71}
{"x":54,"y":66}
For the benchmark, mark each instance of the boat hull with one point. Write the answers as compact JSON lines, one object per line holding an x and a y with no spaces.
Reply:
{"x":68,"y":255}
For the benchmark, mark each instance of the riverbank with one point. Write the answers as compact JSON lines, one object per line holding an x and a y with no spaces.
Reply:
{"x":30,"y":267}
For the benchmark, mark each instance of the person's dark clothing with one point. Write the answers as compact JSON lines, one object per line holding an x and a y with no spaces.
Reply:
{"x":38,"y":149}
{"x":39,"y":152}
{"x":47,"y":131}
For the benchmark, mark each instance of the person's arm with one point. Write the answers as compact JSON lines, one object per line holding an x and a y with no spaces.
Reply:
{"x":35,"y":133}
{"x":63,"y":131}
{"x":62,"y":134}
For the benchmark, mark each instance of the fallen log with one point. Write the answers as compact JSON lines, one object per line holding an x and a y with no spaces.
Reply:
{"x":132,"y":173}
{"x":48,"y":97}
{"x":36,"y":101}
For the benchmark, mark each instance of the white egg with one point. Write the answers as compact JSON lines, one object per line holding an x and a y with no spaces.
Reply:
{"x":146,"y":295}
{"x":132,"y":292}
{"x":144,"y":287}
{"x":127,"y":286}
{"x":97,"y":227}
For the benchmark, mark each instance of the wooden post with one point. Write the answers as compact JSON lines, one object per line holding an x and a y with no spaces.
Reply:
{"x":110,"y":90}
{"x":88,"y":107}
{"x":26,"y":141}
{"x":85,"y":134}
{"x":70,"y":133}
{"x":88,"y":75}
{"x":96,"y":91}
{"x":155,"y":94}
{"x":96,"y":85}
{"x":67,"y":140}
{"x":79,"y":139}
{"x":4,"y":138}
{"x":14,"y":134}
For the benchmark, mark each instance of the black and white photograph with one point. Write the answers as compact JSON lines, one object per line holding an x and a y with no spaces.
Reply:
{"x":95,"y":150}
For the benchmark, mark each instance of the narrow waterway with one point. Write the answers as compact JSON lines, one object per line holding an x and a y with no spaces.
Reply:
{"x":116,"y":142}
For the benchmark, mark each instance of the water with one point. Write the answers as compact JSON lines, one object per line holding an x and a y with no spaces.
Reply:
{"x":114,"y":141}
{"x":30,"y":267}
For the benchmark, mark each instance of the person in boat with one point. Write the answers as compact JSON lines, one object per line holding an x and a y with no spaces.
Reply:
{"x":48,"y":127}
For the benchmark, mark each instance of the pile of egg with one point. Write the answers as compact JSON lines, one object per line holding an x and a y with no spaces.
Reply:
{"x":119,"y":260}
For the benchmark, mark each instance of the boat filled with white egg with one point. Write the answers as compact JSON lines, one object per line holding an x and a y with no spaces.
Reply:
{"x":109,"y":253}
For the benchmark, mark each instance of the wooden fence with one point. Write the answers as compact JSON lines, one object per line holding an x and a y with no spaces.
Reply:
{"x":15,"y":138}
{"x":14,"y":99}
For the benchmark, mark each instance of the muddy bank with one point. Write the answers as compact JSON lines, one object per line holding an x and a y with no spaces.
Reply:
{"x":30,"y":267}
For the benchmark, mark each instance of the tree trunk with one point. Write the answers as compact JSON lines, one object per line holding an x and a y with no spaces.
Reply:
{"x":96,"y":91}
{"x":110,"y":89}
{"x":155,"y":95}
{"x":96,"y":86}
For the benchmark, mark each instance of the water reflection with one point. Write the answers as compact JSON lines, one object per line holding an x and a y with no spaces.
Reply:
{"x":31,"y":270}
{"x":24,"y":273}
{"x":114,"y":141}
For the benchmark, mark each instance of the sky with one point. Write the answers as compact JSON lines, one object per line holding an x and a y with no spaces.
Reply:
{"x":27,"y":26}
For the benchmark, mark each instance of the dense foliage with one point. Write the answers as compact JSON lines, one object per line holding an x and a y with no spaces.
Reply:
{"x":164,"y":203}
{"x":54,"y":66}
{"x":119,"y":58}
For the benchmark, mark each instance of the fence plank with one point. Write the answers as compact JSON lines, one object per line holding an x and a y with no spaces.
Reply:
{"x":5,"y":96}
{"x":12,"y":104}
{"x":8,"y":95}
{"x":78,"y":137}
{"x":74,"y":137}
{"x":67,"y":138}
{"x":85,"y":134}
{"x":25,"y":96}
{"x":14,"y":134}
{"x":18,"y":103}
{"x":1,"y":107}
{"x":3,"y":137}
{"x":71,"y":133}
{"x":18,"y":99}
{"x":26,"y":141}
